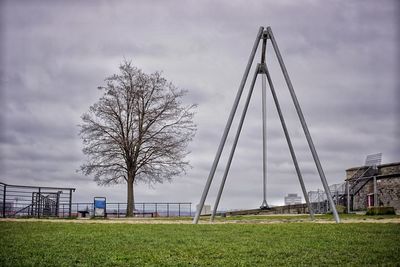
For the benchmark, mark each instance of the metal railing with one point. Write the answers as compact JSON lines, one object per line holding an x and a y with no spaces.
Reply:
{"x":41,"y":201}
{"x":34,"y":201}
{"x":141,"y":209}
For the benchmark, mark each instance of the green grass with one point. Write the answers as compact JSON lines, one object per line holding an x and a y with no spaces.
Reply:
{"x":70,"y":244}
{"x":272,"y":218}
{"x":301,"y":217}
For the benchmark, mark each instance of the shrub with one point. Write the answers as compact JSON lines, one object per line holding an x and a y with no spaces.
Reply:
{"x":380,"y":211}
{"x":341,"y":209}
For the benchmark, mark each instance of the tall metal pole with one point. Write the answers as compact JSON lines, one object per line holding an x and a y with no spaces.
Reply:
{"x":227,"y":127}
{"x":264,"y":204}
{"x":228,"y":165}
{"x":304,"y":125}
{"x":289,"y":142}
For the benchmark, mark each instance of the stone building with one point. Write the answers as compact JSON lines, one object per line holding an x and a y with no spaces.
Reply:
{"x":374,"y":186}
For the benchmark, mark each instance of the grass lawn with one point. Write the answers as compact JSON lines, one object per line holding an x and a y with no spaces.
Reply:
{"x":302,"y":217}
{"x":71,"y":244}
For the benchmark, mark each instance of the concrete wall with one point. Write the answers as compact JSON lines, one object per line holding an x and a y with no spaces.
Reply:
{"x":289,"y":209}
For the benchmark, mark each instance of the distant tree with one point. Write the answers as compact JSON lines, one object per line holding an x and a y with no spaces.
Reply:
{"x":138,"y":131}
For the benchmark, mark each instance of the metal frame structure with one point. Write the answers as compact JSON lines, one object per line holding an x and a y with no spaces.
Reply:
{"x":35,"y":201}
{"x":264,"y":34}
{"x":39,"y":202}
{"x":343,"y":193}
{"x":318,"y":199}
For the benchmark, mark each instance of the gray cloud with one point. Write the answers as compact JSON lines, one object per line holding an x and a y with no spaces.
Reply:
{"x":342,"y":56}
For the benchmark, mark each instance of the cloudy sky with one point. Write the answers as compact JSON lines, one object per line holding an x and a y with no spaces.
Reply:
{"x":342,"y":57}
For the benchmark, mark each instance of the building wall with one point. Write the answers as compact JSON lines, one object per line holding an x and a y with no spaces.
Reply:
{"x":290,"y":209}
{"x":388,"y":169}
{"x":361,"y":198}
{"x":387,"y":185}
{"x":389,"y":192}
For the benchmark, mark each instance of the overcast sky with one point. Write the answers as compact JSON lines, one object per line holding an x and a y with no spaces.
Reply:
{"x":342,"y":57}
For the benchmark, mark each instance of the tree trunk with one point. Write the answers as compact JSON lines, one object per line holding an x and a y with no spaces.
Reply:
{"x":131,"y":203}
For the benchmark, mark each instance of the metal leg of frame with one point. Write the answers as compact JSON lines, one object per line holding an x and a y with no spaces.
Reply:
{"x":304,"y":125}
{"x":228,"y":165}
{"x":289,"y":142}
{"x":227,"y":127}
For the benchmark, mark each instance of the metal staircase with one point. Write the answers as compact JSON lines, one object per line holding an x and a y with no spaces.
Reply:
{"x":363,"y":174}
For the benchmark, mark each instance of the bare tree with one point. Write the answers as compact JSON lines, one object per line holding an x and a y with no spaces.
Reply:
{"x":138,"y":131}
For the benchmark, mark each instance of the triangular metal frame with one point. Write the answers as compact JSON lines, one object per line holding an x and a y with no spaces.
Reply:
{"x":264,"y":34}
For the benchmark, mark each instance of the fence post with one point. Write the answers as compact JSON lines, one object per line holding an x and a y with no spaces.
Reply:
{"x":58,"y":205}
{"x":32,"y":205}
{"x":348,"y":197}
{"x":179,"y":209}
{"x":118,"y":211}
{"x":4,"y":201}
{"x":39,"y":203}
{"x":375,"y":193}
{"x":70,"y":203}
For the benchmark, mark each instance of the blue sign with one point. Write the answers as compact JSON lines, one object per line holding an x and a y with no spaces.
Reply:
{"x":100,"y":204}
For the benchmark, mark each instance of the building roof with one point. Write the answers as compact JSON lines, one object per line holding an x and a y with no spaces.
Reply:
{"x":379,"y":166}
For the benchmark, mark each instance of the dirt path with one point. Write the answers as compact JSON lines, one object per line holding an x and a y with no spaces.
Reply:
{"x":106,"y":221}
{"x":173,"y":221}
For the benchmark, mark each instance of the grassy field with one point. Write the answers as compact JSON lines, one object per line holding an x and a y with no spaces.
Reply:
{"x":72,"y":244}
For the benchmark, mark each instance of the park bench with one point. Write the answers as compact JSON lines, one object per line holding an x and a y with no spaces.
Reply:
{"x":83,"y":213}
